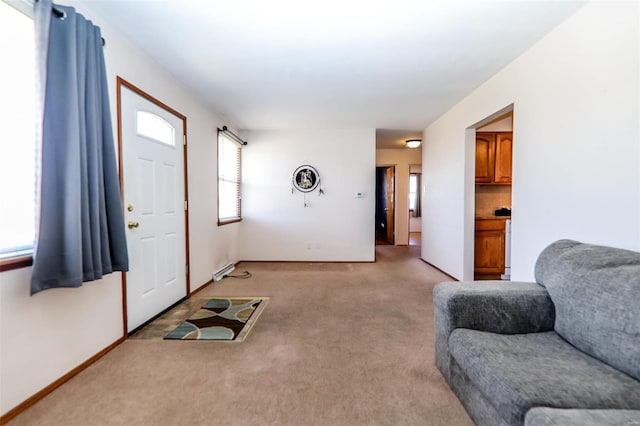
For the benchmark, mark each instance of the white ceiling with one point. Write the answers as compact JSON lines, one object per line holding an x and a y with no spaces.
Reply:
{"x":394,"y":65}
{"x":395,"y":138}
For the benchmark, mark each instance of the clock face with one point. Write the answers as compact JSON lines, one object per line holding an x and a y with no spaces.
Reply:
{"x":306,"y":178}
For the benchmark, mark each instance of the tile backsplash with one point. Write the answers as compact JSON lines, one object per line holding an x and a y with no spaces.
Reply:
{"x":492,"y":197}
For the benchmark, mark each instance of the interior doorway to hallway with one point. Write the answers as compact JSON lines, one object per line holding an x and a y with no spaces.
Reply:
{"x":385,"y":205}
{"x":415,"y":205}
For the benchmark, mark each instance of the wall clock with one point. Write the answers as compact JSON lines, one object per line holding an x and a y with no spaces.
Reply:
{"x":306,"y":178}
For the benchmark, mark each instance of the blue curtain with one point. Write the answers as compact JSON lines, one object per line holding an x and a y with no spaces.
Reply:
{"x":81,"y":233}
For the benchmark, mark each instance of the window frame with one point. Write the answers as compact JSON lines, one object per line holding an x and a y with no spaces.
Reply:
{"x":145,"y":118}
{"x":238,"y":182}
{"x":16,"y":263}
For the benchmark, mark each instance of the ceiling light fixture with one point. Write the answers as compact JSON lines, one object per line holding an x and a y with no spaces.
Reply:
{"x":413,"y":143}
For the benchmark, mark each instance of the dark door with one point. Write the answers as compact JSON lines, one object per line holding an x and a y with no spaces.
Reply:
{"x":385,"y":190}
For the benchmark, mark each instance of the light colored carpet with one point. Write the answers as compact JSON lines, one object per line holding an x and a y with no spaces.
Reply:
{"x":340,"y":344}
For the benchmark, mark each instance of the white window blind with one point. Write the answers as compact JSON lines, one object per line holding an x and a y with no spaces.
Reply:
{"x":229,"y":180}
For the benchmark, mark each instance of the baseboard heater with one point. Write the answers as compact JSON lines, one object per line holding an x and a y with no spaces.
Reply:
{"x":223,"y":272}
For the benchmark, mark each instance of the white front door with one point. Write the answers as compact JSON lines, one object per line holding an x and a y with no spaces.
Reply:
{"x":154,"y":200}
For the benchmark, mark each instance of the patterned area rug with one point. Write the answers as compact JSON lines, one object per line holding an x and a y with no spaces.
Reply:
{"x":220,"y":319}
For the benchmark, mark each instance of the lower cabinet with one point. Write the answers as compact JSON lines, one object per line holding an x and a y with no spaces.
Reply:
{"x":489,"y":248}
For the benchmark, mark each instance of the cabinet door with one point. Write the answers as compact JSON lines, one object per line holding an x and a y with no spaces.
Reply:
{"x":485,"y":157}
{"x":504,"y":144}
{"x":489,"y":249}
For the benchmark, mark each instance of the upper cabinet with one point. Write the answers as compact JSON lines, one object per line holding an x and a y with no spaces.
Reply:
{"x":493,"y":157}
{"x":485,"y":157}
{"x":504,"y":143}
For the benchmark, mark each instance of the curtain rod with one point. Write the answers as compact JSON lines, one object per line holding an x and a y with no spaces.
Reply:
{"x":60,"y":15}
{"x":26,"y":7}
{"x":234,"y":136}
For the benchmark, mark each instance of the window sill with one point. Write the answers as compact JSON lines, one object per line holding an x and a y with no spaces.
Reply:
{"x":16,"y":263}
{"x":228,"y":221}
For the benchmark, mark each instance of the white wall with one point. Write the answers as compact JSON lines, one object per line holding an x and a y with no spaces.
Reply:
{"x":576,"y":169}
{"x":49,"y":334}
{"x":415,"y":224}
{"x":336,"y":226}
{"x":401,"y":159}
{"x":503,"y":125}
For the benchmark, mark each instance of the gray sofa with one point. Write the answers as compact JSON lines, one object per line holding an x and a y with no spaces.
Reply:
{"x":562,"y":351}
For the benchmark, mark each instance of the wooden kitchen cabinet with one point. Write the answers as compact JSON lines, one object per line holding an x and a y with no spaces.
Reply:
{"x":504,"y":144}
{"x":493,"y":157}
{"x":485,"y":157}
{"x":489,"y":248}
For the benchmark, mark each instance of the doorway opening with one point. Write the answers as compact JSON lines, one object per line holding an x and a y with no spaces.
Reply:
{"x":492,"y":197}
{"x":385,"y":205}
{"x":415,"y":209}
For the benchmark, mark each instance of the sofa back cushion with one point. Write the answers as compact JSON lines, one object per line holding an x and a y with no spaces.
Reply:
{"x":596,"y":293}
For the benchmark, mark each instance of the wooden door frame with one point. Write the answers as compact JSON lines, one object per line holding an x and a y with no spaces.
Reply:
{"x":393,"y":207}
{"x":394,"y":167}
{"x":120,"y":82}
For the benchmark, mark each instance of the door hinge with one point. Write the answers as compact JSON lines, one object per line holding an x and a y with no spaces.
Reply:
{"x":185,"y":205}
{"x":184,"y":140}
{"x":186,"y":269}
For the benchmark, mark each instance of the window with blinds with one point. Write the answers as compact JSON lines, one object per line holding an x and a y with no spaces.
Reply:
{"x":229,"y":180}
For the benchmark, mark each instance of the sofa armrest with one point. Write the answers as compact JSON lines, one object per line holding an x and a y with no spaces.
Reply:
{"x":502,"y":307}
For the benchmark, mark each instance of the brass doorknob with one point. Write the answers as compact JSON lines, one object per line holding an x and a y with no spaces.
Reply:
{"x":133,"y":224}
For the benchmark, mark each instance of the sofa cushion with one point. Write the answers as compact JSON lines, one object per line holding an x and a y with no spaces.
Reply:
{"x":521,"y":371}
{"x":595,"y":291}
{"x":504,"y":307}
{"x":542,"y":416}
